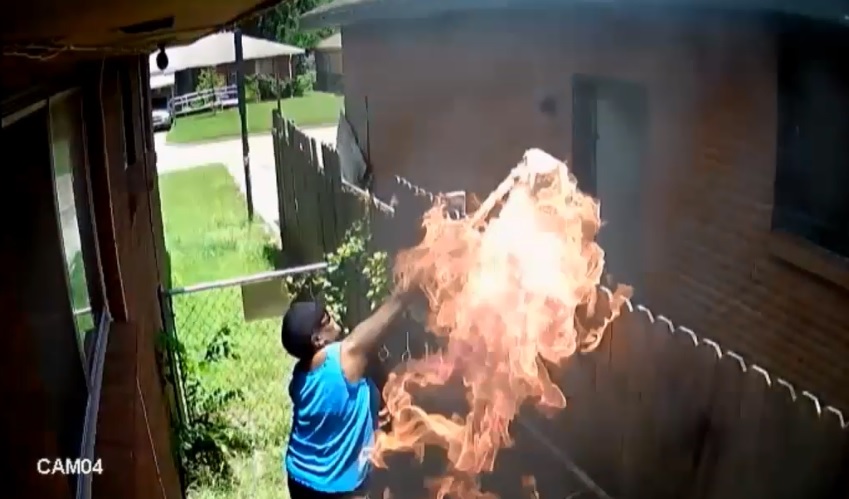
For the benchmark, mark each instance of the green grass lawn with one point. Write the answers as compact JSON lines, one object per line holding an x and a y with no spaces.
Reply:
{"x":313,"y":109}
{"x":209,"y":238}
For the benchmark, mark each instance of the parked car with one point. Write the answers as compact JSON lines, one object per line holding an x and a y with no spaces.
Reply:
{"x":162,"y":119}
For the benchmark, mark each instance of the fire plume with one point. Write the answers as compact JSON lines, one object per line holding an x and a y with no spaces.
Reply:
{"x":511,"y":289}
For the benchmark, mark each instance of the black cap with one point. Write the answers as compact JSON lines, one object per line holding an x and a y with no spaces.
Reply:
{"x":300,"y":322}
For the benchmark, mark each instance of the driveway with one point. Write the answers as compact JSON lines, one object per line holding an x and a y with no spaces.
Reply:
{"x":173,"y":157}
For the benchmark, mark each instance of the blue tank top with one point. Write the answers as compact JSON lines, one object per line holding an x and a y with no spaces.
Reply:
{"x":333,"y":425}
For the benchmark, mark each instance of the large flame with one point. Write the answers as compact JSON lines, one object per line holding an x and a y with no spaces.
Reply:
{"x":511,"y":288}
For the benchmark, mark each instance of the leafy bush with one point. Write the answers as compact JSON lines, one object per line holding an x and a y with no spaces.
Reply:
{"x":269,"y":87}
{"x":353,"y":268}
{"x":252,"y":92}
{"x":211,"y":444}
{"x":209,"y":79}
{"x":304,"y":82}
{"x":207,"y":440}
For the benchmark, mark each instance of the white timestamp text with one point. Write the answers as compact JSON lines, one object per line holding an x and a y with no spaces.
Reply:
{"x":76,"y":466}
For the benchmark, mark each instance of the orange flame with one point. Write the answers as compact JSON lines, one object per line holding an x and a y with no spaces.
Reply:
{"x":511,"y":288}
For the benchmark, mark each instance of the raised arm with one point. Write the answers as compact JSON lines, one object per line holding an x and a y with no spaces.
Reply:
{"x":358,"y":346}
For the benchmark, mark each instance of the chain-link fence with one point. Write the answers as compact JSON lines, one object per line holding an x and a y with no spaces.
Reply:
{"x":234,"y":378}
{"x":233,"y":375}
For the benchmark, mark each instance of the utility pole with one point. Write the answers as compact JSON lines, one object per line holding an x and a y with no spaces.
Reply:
{"x":243,"y":118}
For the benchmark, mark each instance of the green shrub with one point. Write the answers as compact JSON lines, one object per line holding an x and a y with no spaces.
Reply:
{"x":269,"y":87}
{"x":207,"y":440}
{"x":252,"y":92}
{"x":304,"y":83}
{"x":209,"y":79}
{"x":353,"y":268}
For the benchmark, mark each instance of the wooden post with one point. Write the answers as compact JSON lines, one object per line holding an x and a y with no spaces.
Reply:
{"x":243,"y":117}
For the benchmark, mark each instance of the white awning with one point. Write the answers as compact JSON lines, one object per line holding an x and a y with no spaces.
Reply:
{"x":161,"y":81}
{"x":217,"y":49}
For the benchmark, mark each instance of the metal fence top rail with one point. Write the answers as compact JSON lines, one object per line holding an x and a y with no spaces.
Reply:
{"x":251,"y":279}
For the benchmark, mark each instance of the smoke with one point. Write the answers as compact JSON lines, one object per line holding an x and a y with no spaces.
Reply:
{"x":512,"y":290}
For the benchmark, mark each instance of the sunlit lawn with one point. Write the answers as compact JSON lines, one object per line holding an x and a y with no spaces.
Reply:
{"x":209,"y":238}
{"x":313,"y":109}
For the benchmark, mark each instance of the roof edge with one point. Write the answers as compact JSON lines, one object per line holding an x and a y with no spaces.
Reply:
{"x":346,"y":12}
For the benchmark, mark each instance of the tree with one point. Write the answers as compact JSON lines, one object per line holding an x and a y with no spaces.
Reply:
{"x":282,"y":23}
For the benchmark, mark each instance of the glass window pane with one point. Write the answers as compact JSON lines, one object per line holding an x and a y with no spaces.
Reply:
{"x":73,"y":210}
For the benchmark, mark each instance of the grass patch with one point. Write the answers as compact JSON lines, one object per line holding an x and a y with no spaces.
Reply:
{"x":80,"y":302}
{"x":209,"y":238}
{"x":313,"y":109}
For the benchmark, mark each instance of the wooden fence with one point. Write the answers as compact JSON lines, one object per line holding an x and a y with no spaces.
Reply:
{"x":656,"y":412}
{"x":316,"y":206}
{"x":659,"y":412}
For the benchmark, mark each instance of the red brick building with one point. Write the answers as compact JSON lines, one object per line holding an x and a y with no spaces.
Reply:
{"x":716,"y":137}
{"x":83,"y":249}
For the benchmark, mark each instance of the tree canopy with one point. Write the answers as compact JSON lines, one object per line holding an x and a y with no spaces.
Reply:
{"x":282,"y":24}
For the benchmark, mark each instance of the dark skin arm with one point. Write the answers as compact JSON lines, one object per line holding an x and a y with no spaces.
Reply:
{"x":358,"y":346}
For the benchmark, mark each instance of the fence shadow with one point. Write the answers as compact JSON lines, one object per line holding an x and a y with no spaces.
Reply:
{"x":655,"y":412}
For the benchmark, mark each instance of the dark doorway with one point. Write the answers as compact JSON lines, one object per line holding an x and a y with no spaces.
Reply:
{"x":609,"y":126}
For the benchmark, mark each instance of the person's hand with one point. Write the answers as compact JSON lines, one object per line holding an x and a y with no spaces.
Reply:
{"x":417,"y":306}
{"x":406,"y":283}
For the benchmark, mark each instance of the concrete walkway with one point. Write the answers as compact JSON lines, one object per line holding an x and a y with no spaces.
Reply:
{"x":174,"y":157}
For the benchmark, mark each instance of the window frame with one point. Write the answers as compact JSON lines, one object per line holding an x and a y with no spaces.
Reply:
{"x":785,"y":242}
{"x":82,"y":191}
{"x":787,"y":164}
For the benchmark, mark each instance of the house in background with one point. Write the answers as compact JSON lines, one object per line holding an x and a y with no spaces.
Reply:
{"x":715,"y":135}
{"x":161,"y":92}
{"x":218,"y":51}
{"x":83,"y":248}
{"x":328,"y":64}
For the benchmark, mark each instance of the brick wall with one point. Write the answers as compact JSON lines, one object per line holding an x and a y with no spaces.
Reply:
{"x":452,"y":104}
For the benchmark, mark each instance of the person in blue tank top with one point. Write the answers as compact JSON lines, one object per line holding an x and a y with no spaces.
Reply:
{"x":334,"y":404}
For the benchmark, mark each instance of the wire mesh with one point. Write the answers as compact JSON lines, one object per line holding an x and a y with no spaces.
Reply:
{"x":241,"y":368}
{"x":242,"y":371}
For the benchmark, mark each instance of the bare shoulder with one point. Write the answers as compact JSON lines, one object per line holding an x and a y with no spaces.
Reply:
{"x":318,"y":359}
{"x":352,"y":359}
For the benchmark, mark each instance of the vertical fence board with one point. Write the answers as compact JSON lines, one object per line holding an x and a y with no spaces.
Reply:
{"x":638,"y":431}
{"x":308,"y":197}
{"x":325,"y":196}
{"x":605,"y":404}
{"x":735,"y":421}
{"x":315,"y":193}
{"x":749,"y":479}
{"x":305,"y":214}
{"x":333,"y":178}
{"x":686,"y":383}
{"x":781,"y":403}
{"x":284,"y":176}
{"x":295,"y":187}
{"x":770,"y":445}
{"x":661,"y":414}
{"x":817,"y":451}
{"x":278,"y":174}
{"x":620,"y":371}
{"x":291,"y":177}
{"x":306,"y":200}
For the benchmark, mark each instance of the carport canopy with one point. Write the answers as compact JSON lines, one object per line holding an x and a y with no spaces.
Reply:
{"x":161,"y":81}
{"x":217,"y":49}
